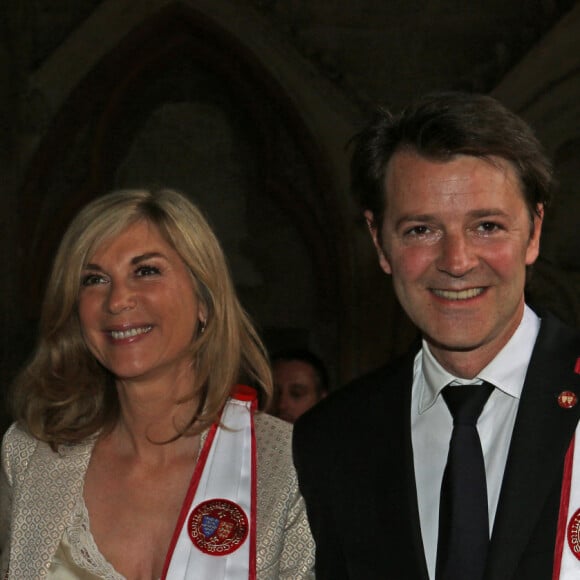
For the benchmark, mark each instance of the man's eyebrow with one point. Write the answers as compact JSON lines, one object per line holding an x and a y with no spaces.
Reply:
{"x":426,"y":217}
{"x":412,"y":217}
{"x":487,"y":212}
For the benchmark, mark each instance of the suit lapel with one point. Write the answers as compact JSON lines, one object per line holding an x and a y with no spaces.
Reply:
{"x":373,"y":488}
{"x":403,"y":379}
{"x":51,"y":488}
{"x":541,"y":436}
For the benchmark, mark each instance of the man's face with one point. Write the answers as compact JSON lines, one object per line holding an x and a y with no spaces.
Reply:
{"x":457,"y":237}
{"x":295,"y":388}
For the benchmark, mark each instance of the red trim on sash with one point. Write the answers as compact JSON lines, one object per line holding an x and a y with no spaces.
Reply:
{"x":245,"y":393}
{"x":563,"y":515}
{"x":253,"y":524}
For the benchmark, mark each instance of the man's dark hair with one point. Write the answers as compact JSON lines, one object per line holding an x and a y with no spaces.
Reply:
{"x":306,"y":356}
{"x":440,"y":126}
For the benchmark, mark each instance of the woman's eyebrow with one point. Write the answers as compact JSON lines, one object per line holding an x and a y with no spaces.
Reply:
{"x":147,"y":256}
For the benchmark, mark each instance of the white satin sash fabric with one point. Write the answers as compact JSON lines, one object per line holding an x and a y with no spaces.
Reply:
{"x":569,"y":532}
{"x":227,"y":474}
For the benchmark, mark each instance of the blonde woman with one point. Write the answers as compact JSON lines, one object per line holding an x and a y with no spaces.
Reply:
{"x":138,"y":452}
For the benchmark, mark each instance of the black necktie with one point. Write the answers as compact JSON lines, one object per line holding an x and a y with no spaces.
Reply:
{"x":463,"y":517}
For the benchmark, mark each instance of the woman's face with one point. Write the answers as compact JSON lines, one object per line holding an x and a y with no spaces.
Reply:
{"x":138,"y":307}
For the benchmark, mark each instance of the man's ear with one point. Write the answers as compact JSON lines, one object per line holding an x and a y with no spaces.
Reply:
{"x":533,"y":249}
{"x":373,"y":230}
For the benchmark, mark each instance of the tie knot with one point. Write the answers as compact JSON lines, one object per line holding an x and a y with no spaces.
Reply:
{"x":466,"y":402}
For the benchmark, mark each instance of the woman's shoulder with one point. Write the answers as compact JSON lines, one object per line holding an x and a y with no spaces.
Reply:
{"x":272,"y":430}
{"x":277,"y":480}
{"x":18,"y":440}
{"x":18,"y":447}
{"x":21,"y":449}
{"x":273,"y":438}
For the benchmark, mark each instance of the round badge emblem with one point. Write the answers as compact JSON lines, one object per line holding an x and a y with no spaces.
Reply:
{"x":567,"y":399}
{"x":574,"y":534}
{"x":218,"y":527}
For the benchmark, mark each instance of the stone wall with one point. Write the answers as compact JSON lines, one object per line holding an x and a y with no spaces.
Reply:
{"x":248,"y":106}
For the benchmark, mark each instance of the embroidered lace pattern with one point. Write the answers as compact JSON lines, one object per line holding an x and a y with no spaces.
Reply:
{"x":83,"y":549}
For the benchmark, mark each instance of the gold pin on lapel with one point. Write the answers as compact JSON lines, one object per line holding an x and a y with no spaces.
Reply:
{"x":567,"y":399}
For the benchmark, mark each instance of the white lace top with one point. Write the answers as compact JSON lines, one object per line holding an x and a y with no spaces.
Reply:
{"x":78,"y":557}
{"x":42,"y":506}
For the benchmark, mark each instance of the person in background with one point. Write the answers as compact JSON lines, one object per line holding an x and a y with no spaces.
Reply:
{"x":300,"y":381}
{"x":457,"y":461}
{"x":138,"y":451}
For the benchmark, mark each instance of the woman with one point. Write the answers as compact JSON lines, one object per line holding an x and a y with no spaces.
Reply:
{"x":134,"y":454}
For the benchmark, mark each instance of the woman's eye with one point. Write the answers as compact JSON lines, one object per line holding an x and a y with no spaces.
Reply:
{"x":144,"y":271}
{"x":92,"y":279}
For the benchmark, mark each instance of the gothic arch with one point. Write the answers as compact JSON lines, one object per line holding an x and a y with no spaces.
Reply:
{"x":98,"y":99}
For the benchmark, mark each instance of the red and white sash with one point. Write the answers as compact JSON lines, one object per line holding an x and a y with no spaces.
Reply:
{"x":567,"y":552}
{"x":215,"y":536}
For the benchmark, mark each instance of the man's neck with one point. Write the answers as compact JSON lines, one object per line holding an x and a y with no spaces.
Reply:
{"x":469,"y":364}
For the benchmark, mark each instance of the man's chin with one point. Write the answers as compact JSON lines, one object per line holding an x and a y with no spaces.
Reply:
{"x":451,"y":344}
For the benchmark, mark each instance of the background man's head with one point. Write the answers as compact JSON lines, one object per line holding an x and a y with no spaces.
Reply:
{"x":300,"y":381}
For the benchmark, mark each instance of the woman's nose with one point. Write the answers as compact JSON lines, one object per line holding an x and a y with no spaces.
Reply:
{"x":120,"y":298}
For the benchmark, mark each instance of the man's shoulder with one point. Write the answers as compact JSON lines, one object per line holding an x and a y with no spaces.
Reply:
{"x":552,"y":324}
{"x":557,"y":338}
{"x":363,"y":397}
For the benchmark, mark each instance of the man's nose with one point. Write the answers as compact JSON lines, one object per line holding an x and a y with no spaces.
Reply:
{"x":457,"y":255}
{"x":283,"y":402}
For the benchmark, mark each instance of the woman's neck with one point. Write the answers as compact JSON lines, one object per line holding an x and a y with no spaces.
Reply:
{"x":152,"y":415}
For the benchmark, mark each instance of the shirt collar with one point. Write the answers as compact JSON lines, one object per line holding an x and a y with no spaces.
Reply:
{"x":507,"y":371}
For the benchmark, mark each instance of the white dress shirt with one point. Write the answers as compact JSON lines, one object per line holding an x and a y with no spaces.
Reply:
{"x":431,"y":424}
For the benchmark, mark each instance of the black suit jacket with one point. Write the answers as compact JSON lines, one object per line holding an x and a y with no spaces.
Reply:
{"x":354,"y":459}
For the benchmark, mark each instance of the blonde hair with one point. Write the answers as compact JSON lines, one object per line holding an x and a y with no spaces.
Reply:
{"x":64,"y":395}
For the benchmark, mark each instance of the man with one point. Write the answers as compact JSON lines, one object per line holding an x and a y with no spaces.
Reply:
{"x":453,"y":191}
{"x":300,"y":381}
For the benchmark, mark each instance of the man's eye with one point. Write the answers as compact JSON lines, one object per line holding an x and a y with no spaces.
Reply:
{"x":488,"y":227}
{"x":297,"y":394}
{"x":417,"y":231}
{"x":143,"y":271}
{"x":92,"y":280}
